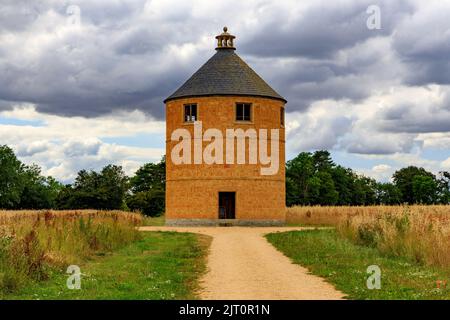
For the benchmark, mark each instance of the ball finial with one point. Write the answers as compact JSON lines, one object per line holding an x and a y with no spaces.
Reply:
{"x":225,"y":29}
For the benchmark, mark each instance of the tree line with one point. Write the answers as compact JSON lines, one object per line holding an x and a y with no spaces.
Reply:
{"x":24,"y":187}
{"x":311,"y":179}
{"x":314,"y":179}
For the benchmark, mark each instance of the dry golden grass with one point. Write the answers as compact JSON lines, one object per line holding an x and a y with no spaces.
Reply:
{"x":6,"y":216}
{"x":34,"y":242}
{"x":318,"y":215}
{"x":421,"y":233}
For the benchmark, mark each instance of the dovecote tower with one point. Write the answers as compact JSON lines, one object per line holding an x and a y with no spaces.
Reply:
{"x":235,"y":121}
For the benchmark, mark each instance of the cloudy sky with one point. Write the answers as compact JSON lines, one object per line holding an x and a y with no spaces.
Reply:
{"x":82,"y":82}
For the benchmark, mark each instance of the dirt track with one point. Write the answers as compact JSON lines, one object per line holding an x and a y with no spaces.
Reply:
{"x":243,"y":265}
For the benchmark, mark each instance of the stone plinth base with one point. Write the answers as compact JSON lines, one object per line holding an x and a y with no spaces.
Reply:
{"x":223,"y":222}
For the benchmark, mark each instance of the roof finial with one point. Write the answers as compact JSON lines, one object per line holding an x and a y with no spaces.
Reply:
{"x":225,"y":40}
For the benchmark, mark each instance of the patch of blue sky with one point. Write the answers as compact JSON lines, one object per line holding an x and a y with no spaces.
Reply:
{"x":21,"y":122}
{"x":435,"y":154}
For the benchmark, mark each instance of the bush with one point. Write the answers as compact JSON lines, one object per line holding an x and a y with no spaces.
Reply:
{"x":150,"y":203}
{"x":369,"y":234}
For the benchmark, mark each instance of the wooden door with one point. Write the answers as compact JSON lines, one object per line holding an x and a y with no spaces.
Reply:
{"x":227,"y":205}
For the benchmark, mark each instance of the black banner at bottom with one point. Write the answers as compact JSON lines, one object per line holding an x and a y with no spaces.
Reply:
{"x":225,"y":309}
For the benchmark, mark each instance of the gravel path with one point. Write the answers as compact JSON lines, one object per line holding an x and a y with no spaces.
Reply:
{"x":242,"y":264}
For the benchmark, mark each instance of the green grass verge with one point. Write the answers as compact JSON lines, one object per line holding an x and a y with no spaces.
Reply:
{"x":344,"y":264}
{"x":154,"y":221}
{"x":163,"y":265}
{"x":308,"y":225}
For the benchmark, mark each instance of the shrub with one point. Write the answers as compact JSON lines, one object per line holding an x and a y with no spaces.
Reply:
{"x":150,"y":203}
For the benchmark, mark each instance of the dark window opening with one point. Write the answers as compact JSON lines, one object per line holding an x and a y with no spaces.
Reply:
{"x":282,"y":117}
{"x":243,"y":111}
{"x":190,"y":113}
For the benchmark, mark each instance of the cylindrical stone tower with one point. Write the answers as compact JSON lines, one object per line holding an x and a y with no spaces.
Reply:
{"x":232,"y":170}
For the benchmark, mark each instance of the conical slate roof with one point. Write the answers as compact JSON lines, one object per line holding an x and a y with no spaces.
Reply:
{"x":225,"y":73}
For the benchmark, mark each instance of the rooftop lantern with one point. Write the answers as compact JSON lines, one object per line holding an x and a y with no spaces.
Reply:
{"x":225,"y":40}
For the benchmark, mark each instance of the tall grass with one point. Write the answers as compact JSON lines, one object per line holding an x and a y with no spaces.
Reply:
{"x":35,"y":243}
{"x":420,"y":233}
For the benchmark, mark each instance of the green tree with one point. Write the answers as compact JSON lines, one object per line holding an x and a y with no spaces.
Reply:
{"x":39,"y":192}
{"x":53,"y":189}
{"x":96,"y":190}
{"x":148,"y":189}
{"x":113,"y":187}
{"x":299,"y":172}
{"x":388,"y":194}
{"x":444,"y":187}
{"x":314,"y":189}
{"x":66,"y":198}
{"x":322,"y":161}
{"x":313,"y":178}
{"x":86,"y":193}
{"x":404,"y":180}
{"x":149,"y":176}
{"x":11,"y":178}
{"x":327,"y":192}
{"x":344,"y":180}
{"x":364,"y":191}
{"x":425,"y":189}
{"x":291,"y":192}
{"x":150,"y":203}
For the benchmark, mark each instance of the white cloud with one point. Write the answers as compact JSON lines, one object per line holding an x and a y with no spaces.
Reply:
{"x":446,"y":164}
{"x":62,"y":146}
{"x":384,"y":172}
{"x":381,"y":172}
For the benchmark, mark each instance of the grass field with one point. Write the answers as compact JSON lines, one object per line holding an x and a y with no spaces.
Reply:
{"x":409,"y":243}
{"x":332,"y":215}
{"x":116,"y":260}
{"x":162,"y":265}
{"x":344,"y":264}
{"x":419,"y":233}
{"x":36,"y":244}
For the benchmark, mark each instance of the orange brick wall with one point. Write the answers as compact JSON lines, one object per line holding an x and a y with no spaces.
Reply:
{"x":192,"y":190}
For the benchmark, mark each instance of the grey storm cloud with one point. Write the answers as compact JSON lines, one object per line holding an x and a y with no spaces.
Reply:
{"x":124,"y":57}
{"x":323,"y":30}
{"x":415,"y":123}
{"x":423,"y":44}
{"x":380,"y":145}
{"x":17,"y":15}
{"x":31,"y":150}
{"x":76,"y":148}
{"x":115,"y":66}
